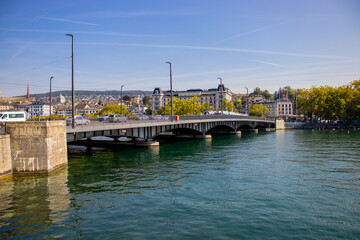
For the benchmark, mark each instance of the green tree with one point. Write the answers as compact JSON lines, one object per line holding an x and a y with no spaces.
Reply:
{"x":113,"y":109}
{"x":147,"y":101}
{"x":330,"y":103}
{"x":257,"y":110}
{"x":184,"y":107}
{"x":148,"y":111}
{"x":238,"y":104}
{"x":228,"y":106}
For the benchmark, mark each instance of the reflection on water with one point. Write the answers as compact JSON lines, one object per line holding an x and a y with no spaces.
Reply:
{"x":32,"y":203}
{"x":282,"y":185}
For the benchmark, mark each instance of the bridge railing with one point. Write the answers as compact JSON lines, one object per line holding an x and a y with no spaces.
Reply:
{"x":166,"y":119}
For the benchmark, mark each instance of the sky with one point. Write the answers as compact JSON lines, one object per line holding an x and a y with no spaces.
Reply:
{"x":249,"y":44}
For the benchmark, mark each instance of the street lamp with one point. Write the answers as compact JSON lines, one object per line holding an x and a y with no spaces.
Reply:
{"x":221,"y":97}
{"x":121,"y":98}
{"x":171,"y":91}
{"x":50,"y":97}
{"x":72,"y":77}
{"x":247,"y":99}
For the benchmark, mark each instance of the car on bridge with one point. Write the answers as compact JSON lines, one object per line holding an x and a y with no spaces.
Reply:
{"x":159,"y":117}
{"x":79,"y":120}
{"x":142,"y":117}
{"x":116,"y":118}
{"x":103,"y":118}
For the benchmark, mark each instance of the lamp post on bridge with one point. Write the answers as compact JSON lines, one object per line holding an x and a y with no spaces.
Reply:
{"x":121,"y":100}
{"x":50,"y":97}
{"x":221,"y":96}
{"x":72,"y":77}
{"x":247,"y":100}
{"x":171,"y":92}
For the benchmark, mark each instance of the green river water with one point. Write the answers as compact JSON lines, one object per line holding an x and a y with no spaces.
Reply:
{"x":277,"y":185}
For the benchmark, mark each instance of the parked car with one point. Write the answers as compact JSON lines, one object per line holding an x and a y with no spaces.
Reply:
{"x":159,"y":117}
{"x":116,"y":118}
{"x":79,"y":120}
{"x":142,"y":117}
{"x":103,"y":118}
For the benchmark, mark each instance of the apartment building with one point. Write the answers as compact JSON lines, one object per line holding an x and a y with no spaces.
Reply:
{"x":213,"y":96}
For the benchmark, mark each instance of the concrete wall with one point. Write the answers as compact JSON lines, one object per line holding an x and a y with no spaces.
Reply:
{"x":37,"y":147}
{"x":5,"y":156}
{"x":279,"y":124}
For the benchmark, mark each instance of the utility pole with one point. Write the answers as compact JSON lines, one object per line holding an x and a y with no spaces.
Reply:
{"x":50,"y":97}
{"x":72,"y":74}
{"x":121,"y":99}
{"x":171,"y":92}
{"x":221,"y":96}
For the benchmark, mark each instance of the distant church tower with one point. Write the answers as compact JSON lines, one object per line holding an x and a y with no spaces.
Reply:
{"x":28,"y":93}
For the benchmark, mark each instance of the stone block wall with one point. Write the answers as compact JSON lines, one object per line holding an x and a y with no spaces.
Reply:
{"x":279,"y":124}
{"x":5,"y":156}
{"x":37,"y":147}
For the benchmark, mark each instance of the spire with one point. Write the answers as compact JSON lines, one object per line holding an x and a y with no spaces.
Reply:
{"x":28,"y":94}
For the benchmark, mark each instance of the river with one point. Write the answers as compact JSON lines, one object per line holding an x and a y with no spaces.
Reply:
{"x":278,"y":185}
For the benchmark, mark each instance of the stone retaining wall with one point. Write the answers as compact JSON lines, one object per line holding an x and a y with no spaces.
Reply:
{"x":37,"y":147}
{"x":5,"y":156}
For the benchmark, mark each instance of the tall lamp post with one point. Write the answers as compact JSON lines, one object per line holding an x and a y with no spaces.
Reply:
{"x":221,"y":97}
{"x":50,"y":97}
{"x":171,"y":91}
{"x":121,"y":98}
{"x":247,"y":99}
{"x":72,"y":77}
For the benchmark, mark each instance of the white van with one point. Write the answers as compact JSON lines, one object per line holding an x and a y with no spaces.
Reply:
{"x":11,"y":117}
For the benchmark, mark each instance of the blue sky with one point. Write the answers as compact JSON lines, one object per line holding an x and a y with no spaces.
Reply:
{"x":258,"y":43}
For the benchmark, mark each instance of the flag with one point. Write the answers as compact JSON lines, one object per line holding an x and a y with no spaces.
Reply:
{"x":286,"y":97}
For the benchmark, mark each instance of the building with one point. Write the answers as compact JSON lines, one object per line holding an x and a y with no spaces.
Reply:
{"x":282,"y":109}
{"x":39,"y":110}
{"x":213,"y":96}
{"x":6,"y":106}
{"x":61,"y":99}
{"x":83,"y":109}
{"x":64,"y":111}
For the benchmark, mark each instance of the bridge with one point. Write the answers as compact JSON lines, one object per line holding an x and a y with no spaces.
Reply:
{"x":40,"y":147}
{"x":199,"y":126}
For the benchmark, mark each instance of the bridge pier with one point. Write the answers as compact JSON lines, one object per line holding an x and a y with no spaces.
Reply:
{"x":37,"y":147}
{"x":204,"y":136}
{"x":5,"y":156}
{"x":236,"y":132}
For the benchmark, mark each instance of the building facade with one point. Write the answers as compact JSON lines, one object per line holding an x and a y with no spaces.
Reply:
{"x":280,"y":109}
{"x":39,"y":110}
{"x":212,"y":96}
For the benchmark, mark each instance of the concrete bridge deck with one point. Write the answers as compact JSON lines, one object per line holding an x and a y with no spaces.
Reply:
{"x":147,"y":129}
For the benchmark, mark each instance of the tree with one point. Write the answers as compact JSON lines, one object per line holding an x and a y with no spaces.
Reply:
{"x":257,"y":110}
{"x":148,"y":111}
{"x":330,"y":103}
{"x":126,"y":98}
{"x":238,"y":104}
{"x":185,"y":107}
{"x":147,"y":101}
{"x":265,"y":93}
{"x":113,"y":109}
{"x":228,"y":106}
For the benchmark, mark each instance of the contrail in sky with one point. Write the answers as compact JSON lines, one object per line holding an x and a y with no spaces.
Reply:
{"x":67,"y":20}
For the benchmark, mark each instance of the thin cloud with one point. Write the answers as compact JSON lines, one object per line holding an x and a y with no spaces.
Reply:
{"x":215,"y":49}
{"x":272,"y":64}
{"x":67,"y":20}
{"x":246,"y":33}
{"x":21,"y":50}
{"x":120,"y":14}
{"x":241,"y":50}
{"x":83,"y":32}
